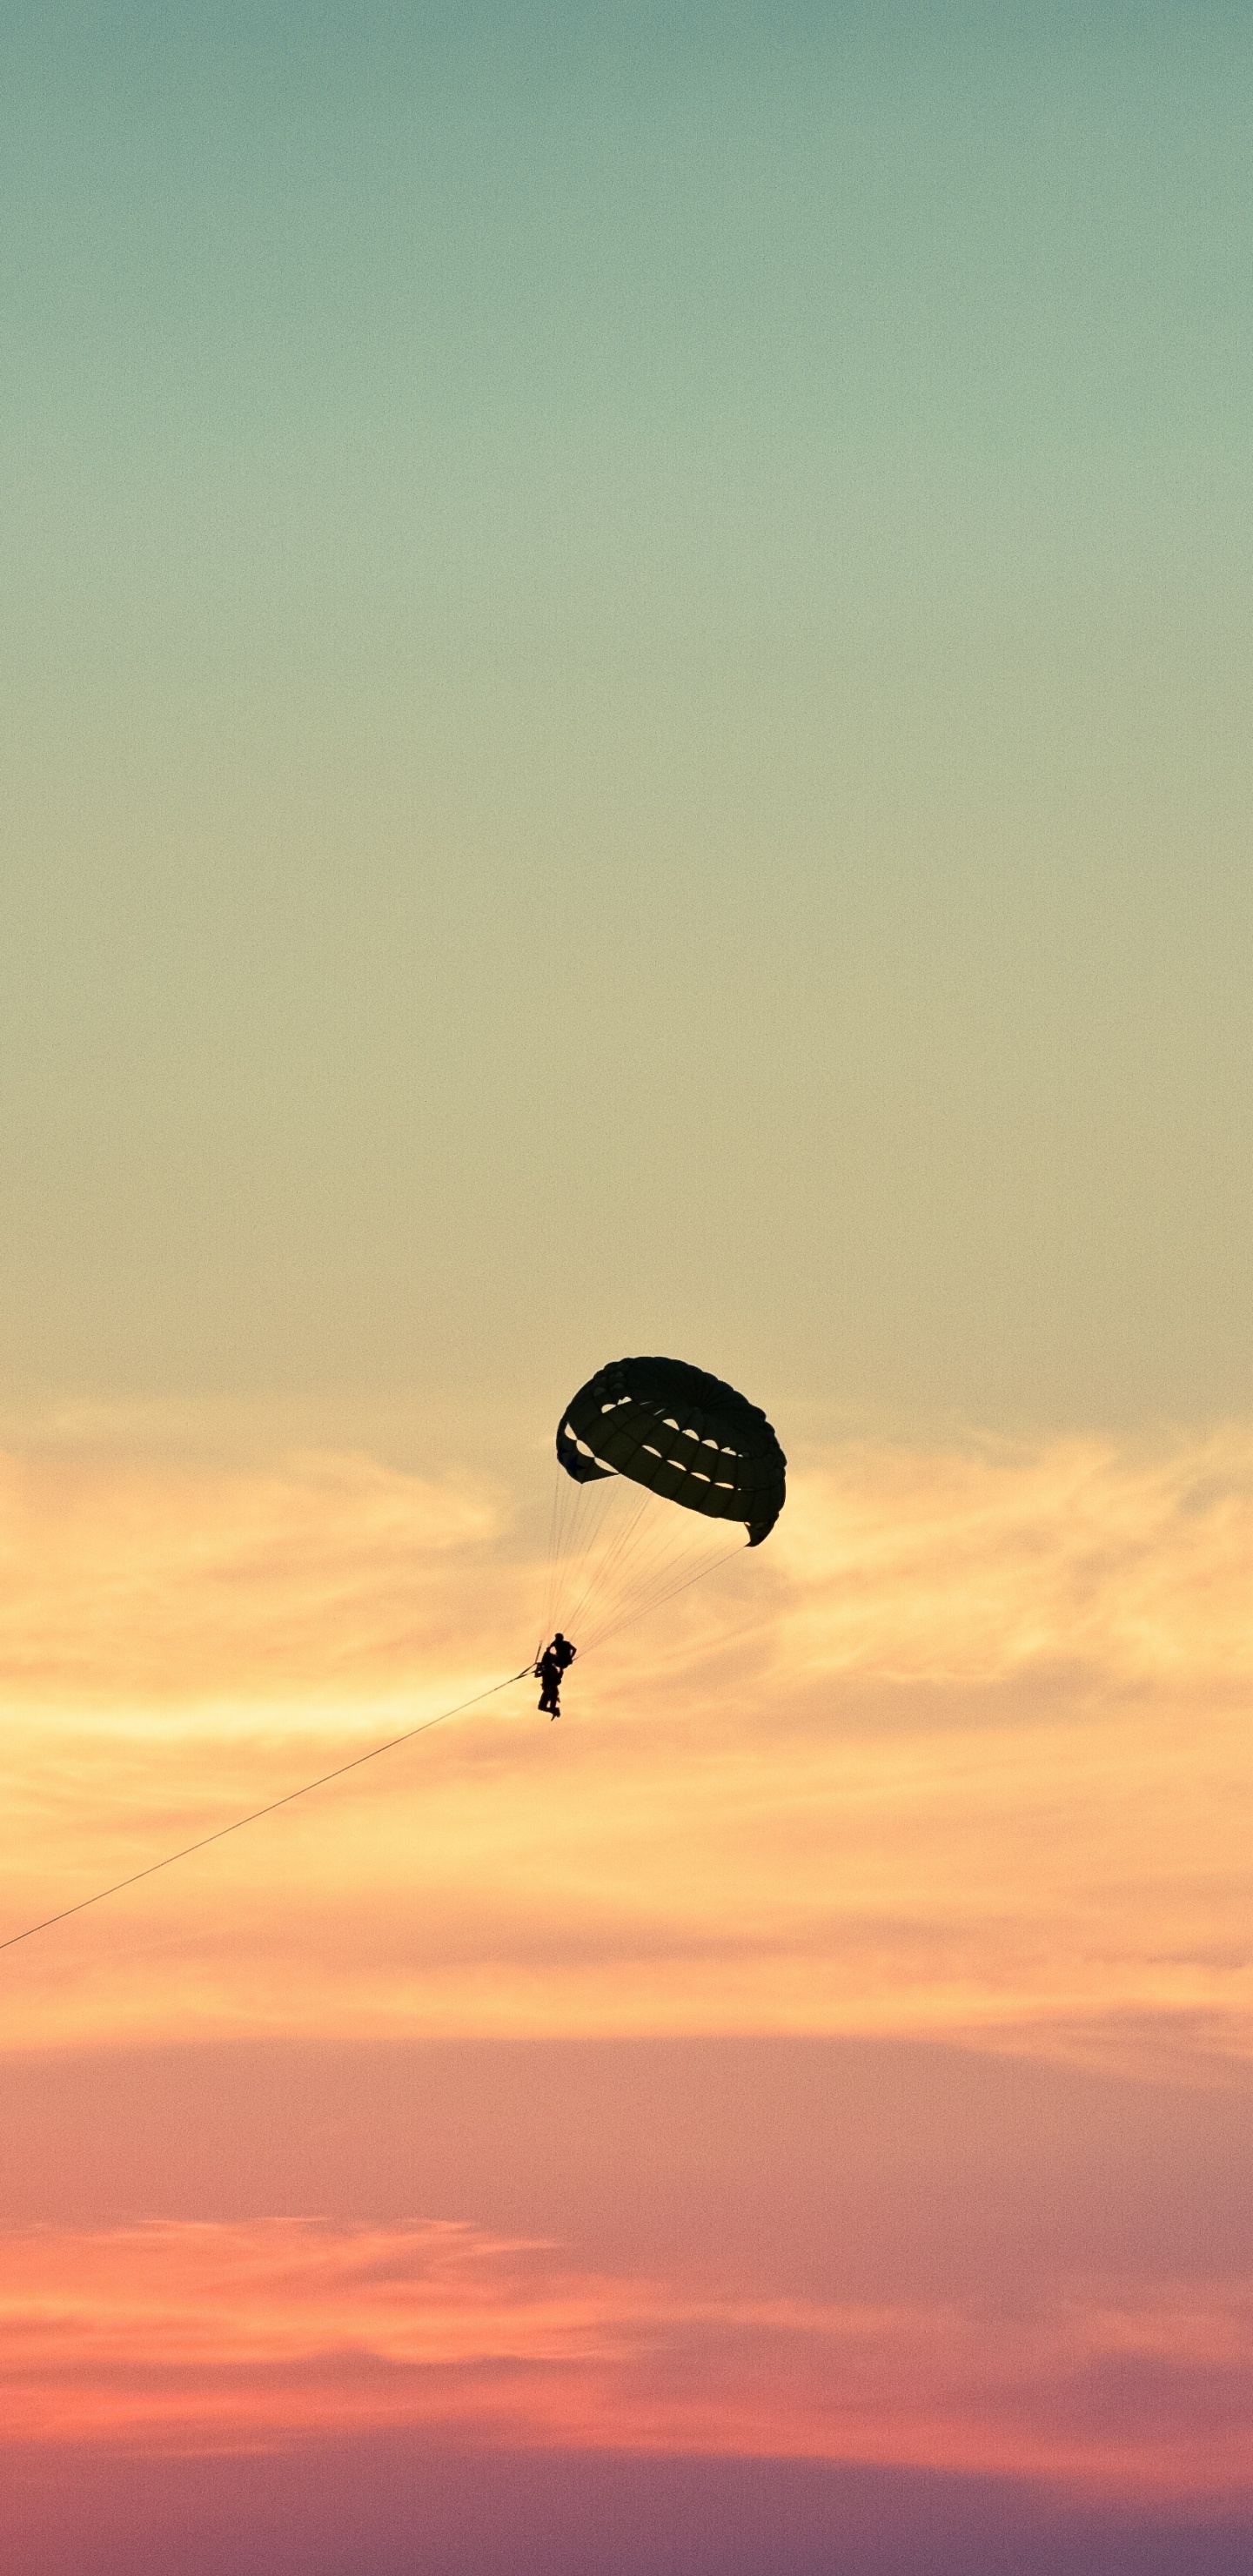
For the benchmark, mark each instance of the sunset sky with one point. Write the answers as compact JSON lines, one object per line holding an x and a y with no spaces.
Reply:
{"x":626,"y":647}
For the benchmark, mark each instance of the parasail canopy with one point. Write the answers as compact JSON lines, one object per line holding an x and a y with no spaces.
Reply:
{"x":682,"y":1434}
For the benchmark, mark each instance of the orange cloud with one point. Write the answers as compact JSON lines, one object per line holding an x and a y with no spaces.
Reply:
{"x":204,"y":2337}
{"x":965,"y":1750}
{"x":165,"y":1582}
{"x":976,"y":1565}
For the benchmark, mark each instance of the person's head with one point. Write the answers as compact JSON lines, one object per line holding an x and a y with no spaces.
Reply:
{"x":559,"y":1640}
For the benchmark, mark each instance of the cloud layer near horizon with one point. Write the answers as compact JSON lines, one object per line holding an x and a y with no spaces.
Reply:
{"x":198,"y":2337}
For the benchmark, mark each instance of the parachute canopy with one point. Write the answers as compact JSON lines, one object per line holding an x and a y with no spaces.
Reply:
{"x":682,"y":1434}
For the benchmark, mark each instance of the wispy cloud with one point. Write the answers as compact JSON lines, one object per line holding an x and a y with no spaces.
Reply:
{"x":974,"y":1566}
{"x":155,"y":1583}
{"x":209,"y":2336}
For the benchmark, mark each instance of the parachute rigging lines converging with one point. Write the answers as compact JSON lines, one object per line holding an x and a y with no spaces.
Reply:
{"x":642,"y":1436}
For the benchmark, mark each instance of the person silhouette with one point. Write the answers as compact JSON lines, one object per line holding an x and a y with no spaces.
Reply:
{"x":551,"y":1670}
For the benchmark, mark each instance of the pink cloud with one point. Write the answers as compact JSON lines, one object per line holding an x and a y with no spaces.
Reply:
{"x":233,"y":2337}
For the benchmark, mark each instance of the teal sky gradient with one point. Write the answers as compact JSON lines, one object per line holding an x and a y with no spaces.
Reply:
{"x":627,"y":636}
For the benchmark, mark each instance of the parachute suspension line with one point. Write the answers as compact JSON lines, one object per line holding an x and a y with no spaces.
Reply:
{"x":580,"y":1513}
{"x":556,"y":1537}
{"x":623,"y":1535}
{"x":586,"y":1516}
{"x":641,"y":1610}
{"x":617,"y":1546}
{"x":652,"y":1551}
{"x":553,"y":1519}
{"x":656,"y":1547}
{"x":561,"y":1513}
{"x":620,"y":1573}
{"x":389,"y":1745}
{"x":671,"y":1573}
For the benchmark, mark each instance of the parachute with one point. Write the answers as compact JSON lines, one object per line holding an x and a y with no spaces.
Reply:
{"x":654,"y":1433}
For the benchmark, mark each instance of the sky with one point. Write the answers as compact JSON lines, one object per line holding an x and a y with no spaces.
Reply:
{"x":625,"y":651}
